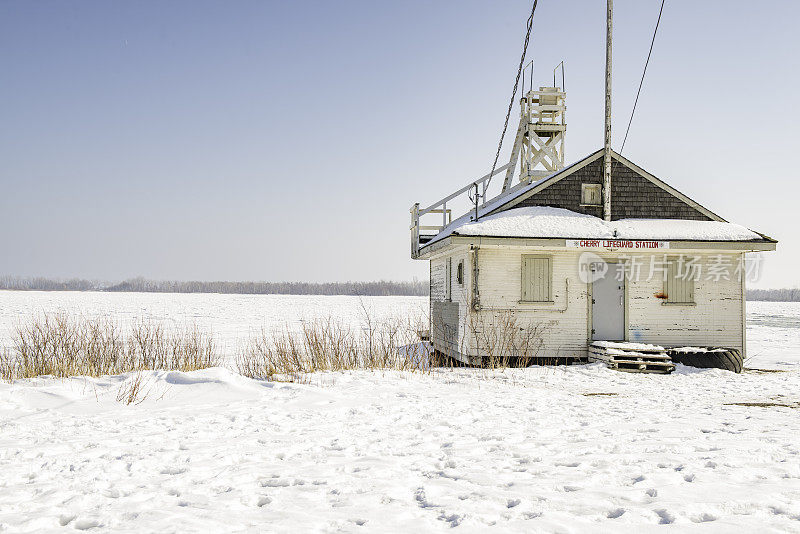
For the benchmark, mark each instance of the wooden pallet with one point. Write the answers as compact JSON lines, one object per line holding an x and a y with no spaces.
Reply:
{"x":632,"y":360}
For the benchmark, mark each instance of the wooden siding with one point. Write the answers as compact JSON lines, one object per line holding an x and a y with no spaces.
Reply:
{"x":632,"y":195}
{"x":445,"y":326}
{"x":716,"y":317}
{"x":438,"y":277}
{"x":562,"y":323}
{"x":456,"y":307}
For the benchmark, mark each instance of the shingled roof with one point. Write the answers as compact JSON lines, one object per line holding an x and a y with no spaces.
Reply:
{"x":635,"y":194}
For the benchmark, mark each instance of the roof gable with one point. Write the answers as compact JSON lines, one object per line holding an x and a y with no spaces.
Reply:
{"x":635,"y":193}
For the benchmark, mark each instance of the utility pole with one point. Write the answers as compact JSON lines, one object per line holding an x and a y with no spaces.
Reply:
{"x":607,"y":146}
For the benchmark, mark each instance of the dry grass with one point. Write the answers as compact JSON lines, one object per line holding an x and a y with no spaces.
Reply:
{"x":794,"y":405}
{"x":61,"y":345}
{"x":329,"y":345}
{"x":133,"y":390}
{"x":504,"y":341}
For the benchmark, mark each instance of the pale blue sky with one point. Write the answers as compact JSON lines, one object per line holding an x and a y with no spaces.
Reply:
{"x":287,"y":140}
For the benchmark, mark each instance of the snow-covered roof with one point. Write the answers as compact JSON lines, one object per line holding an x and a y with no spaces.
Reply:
{"x":549,"y":222}
{"x":499,"y":218}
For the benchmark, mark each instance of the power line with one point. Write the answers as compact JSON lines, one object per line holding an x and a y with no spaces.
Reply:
{"x":642,"y":81}
{"x":513,"y":96}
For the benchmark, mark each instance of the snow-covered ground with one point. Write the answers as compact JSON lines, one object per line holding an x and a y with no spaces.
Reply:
{"x":545,"y":449}
{"x":580,"y":449}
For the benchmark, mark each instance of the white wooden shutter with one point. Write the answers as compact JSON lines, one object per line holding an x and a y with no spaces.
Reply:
{"x":537,"y":279}
{"x":678,"y":288}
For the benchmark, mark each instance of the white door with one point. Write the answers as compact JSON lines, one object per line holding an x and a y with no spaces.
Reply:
{"x":608,"y":305}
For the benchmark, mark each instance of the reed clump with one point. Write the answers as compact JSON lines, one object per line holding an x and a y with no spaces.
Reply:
{"x":62,"y":345}
{"x":330,"y":345}
{"x":506,"y":342}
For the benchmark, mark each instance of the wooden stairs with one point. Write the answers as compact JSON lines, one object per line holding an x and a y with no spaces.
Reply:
{"x":631,"y":357}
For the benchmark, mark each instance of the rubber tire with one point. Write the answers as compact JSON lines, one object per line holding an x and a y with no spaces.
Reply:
{"x":729,"y":359}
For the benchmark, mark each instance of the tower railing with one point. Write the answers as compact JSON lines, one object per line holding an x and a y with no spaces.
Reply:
{"x":422,"y":233}
{"x":538,"y":150}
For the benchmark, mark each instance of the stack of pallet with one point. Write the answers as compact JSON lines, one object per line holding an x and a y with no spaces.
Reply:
{"x":631,"y":357}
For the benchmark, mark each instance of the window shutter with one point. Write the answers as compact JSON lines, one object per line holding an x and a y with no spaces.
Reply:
{"x":591,"y":194}
{"x":678,"y":288}
{"x":537,"y":279}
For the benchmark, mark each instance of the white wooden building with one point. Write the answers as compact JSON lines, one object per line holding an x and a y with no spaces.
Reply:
{"x":551,"y":264}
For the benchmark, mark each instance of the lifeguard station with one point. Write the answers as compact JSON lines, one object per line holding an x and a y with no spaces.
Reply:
{"x":596,"y":260}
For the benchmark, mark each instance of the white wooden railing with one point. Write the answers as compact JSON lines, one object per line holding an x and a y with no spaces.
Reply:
{"x":479,"y":186}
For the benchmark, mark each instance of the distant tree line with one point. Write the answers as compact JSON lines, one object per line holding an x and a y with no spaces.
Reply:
{"x":48,"y":284}
{"x":774,"y":295}
{"x":379,"y":288}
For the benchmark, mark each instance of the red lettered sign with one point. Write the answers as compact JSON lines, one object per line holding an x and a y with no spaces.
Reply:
{"x":616,"y":244}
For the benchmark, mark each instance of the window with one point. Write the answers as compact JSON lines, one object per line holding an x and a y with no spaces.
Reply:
{"x":678,"y":282}
{"x":448,"y":279}
{"x":460,"y":273}
{"x":591,"y":194}
{"x":536,"y":278}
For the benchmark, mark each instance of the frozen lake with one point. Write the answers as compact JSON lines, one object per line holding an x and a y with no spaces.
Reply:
{"x":773,"y":328}
{"x":231,"y":318}
{"x":773,"y":335}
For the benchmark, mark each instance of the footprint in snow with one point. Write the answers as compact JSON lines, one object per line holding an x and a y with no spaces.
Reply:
{"x":86,"y":524}
{"x":274,"y":483}
{"x":689,"y":478}
{"x":664,"y":517}
{"x":704,"y":518}
{"x":512,"y":503}
{"x":172,"y":470}
{"x":453,"y":519}
{"x":263,"y":501}
{"x":613,"y":514}
{"x":422,"y":500}
{"x":652,"y":492}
